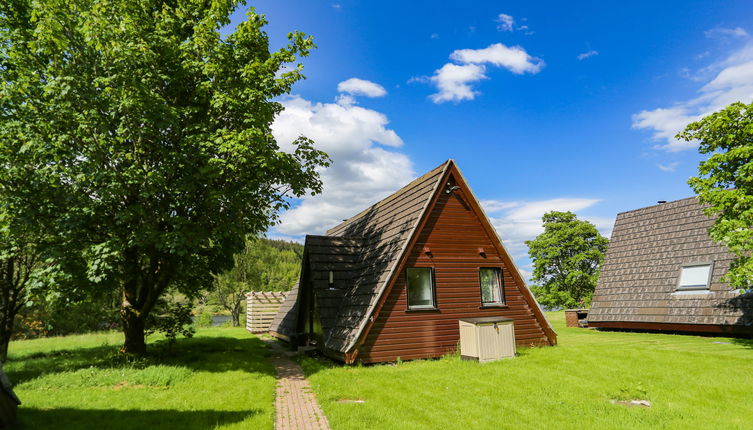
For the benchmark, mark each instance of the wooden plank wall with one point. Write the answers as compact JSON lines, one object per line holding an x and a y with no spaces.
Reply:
{"x":261,"y":308}
{"x":454,"y":235}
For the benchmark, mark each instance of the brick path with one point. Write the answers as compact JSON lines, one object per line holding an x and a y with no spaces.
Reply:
{"x":295,"y":405}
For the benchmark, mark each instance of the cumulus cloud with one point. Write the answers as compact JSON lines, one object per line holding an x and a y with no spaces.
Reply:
{"x":588,"y":54}
{"x":366,"y":166}
{"x":518,"y":221}
{"x":361,"y":87}
{"x":512,"y":58}
{"x":506,"y":22}
{"x":727,"y":81}
{"x":454,"y":80}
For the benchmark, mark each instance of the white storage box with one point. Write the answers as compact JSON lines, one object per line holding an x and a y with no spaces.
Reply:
{"x":487,"y":338}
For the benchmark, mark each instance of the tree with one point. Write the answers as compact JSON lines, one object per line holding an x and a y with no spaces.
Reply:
{"x":149,"y":136}
{"x":725,"y":183}
{"x":566,"y":260}
{"x":263,"y":265}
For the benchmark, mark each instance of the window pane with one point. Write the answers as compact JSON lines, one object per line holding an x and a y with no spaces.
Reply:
{"x":694,"y":276}
{"x":491,"y":290}
{"x":420,"y":287}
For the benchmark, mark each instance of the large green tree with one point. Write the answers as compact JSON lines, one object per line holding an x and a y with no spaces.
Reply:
{"x":725,"y":183}
{"x":148,"y":130}
{"x":566,"y":260}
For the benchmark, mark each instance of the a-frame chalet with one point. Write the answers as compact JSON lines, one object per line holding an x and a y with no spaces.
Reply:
{"x":393,"y":281}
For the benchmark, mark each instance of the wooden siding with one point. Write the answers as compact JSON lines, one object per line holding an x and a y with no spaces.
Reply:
{"x":261,"y":309}
{"x":453,"y":232}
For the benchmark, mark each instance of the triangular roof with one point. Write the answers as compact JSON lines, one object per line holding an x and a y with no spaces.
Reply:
{"x":386,"y":232}
{"x":642,"y":266}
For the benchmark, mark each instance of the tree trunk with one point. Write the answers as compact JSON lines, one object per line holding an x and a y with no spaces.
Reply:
{"x":133,"y":329}
{"x":4,"y":341}
{"x":236,"y":315}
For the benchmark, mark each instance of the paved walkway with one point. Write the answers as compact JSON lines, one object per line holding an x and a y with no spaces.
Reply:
{"x":295,"y":405}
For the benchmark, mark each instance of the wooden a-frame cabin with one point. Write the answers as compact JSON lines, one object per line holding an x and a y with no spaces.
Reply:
{"x":392,"y":282}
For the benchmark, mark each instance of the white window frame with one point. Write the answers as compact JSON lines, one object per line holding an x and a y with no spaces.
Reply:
{"x":433,"y":304}
{"x":707,"y":286}
{"x":501,"y":286}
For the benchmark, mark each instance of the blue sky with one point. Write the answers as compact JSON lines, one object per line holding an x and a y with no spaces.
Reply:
{"x":544,"y":105}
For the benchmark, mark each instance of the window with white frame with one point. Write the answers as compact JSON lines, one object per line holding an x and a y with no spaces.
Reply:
{"x":420,"y":288}
{"x":695,"y":277}
{"x":490,"y":279}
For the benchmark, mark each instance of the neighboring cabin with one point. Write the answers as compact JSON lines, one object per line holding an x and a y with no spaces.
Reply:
{"x":393,"y":281}
{"x":662,"y":271}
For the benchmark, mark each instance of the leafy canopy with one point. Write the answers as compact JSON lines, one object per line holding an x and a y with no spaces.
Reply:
{"x":143,"y":135}
{"x":566,"y":260}
{"x":725,"y":183}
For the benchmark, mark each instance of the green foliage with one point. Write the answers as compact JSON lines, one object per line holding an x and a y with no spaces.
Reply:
{"x":171,"y":319}
{"x":725,"y":183}
{"x":140,"y":137}
{"x":203,"y":318}
{"x":566,"y":259}
{"x":263,"y":265}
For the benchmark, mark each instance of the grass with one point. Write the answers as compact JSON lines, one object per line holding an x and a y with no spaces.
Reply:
{"x":692,"y":382}
{"x":219,"y":379}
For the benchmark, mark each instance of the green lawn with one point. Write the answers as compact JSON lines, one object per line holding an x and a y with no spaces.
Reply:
{"x":223,"y":379}
{"x":692,"y":382}
{"x":219,"y":379}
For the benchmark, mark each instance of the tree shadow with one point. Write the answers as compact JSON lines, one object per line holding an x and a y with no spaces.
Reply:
{"x":742,"y":306}
{"x":209,"y":354}
{"x":114,"y":419}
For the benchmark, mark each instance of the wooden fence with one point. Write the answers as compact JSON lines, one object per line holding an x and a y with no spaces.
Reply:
{"x":261,"y":308}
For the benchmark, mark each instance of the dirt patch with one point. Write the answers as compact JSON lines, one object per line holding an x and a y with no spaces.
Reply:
{"x":632,"y":403}
{"x":125,"y":384}
{"x":351,"y":401}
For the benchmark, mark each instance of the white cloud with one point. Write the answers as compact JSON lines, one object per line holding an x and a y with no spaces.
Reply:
{"x":726,"y":32}
{"x":670,"y":167}
{"x":454,"y":80}
{"x":506,"y":22}
{"x":588,"y":54}
{"x":365,"y":166}
{"x":517,"y":221}
{"x":732,"y":81}
{"x":355,"y":86}
{"x":514,"y":59}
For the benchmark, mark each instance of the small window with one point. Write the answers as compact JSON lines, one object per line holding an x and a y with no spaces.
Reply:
{"x":420,"y":288}
{"x":695,"y":277}
{"x":491,"y":285}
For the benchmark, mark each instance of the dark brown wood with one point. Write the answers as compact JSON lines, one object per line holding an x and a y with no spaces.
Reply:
{"x":674,"y":327}
{"x":454,"y":232}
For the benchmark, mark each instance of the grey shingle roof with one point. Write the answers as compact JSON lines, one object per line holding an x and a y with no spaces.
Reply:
{"x":641,"y":269}
{"x":384,"y":229}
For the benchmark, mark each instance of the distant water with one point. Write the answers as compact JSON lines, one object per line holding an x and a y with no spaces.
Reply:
{"x":218,"y":320}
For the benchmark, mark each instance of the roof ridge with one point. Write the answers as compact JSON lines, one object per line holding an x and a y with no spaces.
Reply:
{"x":396,"y":192}
{"x":657,"y":205}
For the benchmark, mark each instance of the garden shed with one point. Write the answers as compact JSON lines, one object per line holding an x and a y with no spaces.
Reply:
{"x":394,"y":280}
{"x":662,"y":271}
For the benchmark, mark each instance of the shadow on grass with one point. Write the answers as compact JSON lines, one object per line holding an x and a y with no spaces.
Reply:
{"x":67,"y":418}
{"x":210,"y":354}
{"x":746,"y":343}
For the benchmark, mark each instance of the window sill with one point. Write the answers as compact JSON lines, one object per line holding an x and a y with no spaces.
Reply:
{"x":493,"y":306}
{"x":692,"y":292}
{"x":421,"y":309}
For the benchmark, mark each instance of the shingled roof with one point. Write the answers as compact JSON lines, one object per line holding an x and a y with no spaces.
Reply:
{"x":384,"y":229}
{"x":638,"y":282}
